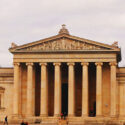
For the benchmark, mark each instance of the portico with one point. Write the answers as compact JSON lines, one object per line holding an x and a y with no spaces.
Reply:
{"x":72,"y":82}
{"x":65,"y":74}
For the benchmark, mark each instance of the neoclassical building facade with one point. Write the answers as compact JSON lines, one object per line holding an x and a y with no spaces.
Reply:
{"x":64,"y":74}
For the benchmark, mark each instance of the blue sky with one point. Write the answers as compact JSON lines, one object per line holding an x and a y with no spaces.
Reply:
{"x":23,"y":21}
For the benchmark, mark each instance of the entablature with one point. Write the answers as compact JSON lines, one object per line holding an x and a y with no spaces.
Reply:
{"x":67,"y":57}
{"x":65,"y":44}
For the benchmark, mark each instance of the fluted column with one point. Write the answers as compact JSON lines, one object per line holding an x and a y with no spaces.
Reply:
{"x":113,"y":88}
{"x":57,"y":90}
{"x":71,"y":90}
{"x":29,"y":89}
{"x":85,"y":89}
{"x":16,"y":90}
{"x":99,"y":89}
{"x":44,"y":90}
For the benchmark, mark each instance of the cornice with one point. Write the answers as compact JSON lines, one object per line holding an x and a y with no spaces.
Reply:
{"x":104,"y":48}
{"x":64,"y":36}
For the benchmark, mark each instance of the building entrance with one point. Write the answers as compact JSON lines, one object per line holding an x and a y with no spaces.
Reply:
{"x":65,"y":99}
{"x":92,"y":90}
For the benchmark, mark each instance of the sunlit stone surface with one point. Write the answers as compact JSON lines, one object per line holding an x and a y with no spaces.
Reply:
{"x":64,"y":74}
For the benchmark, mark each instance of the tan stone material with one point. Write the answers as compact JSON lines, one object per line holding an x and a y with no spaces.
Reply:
{"x":85,"y":89}
{"x":57,"y":90}
{"x":113,"y":88}
{"x":64,"y":73}
{"x":63,"y":30}
{"x":29,"y":89}
{"x":44,"y":90}
{"x":71,"y":90}
{"x":16,"y":90}
{"x":122,"y":99}
{"x":99,"y":89}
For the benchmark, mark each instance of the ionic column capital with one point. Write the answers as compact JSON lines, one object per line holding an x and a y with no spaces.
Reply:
{"x":71,"y":63}
{"x":56,"y":63}
{"x":84,"y":63}
{"x":16,"y":63}
{"x":43,"y":64}
{"x":98,"y":63}
{"x":29,"y":63}
{"x":112,"y":63}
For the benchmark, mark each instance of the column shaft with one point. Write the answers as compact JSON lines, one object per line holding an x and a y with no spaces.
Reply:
{"x":121,"y":100}
{"x":29,"y":89}
{"x":124,"y":100}
{"x":84,"y":89}
{"x":113,"y":88}
{"x":44,"y":90}
{"x":98,"y":89}
{"x":57,"y":90}
{"x":16,"y":89}
{"x":71,"y":90}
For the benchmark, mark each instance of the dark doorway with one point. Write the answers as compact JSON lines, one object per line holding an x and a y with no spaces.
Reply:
{"x":65,"y":99}
{"x":92,"y":90}
{"x":94,"y":109}
{"x":37,"y":89}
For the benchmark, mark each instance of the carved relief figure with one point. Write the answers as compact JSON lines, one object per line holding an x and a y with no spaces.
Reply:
{"x":64,"y":44}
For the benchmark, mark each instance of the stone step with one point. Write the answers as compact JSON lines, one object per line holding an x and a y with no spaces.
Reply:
{"x":64,"y":122}
{"x":70,"y":124}
{"x":34,"y":124}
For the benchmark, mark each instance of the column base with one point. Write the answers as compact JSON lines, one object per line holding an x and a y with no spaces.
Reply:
{"x":71,"y":115}
{"x":29,"y":115}
{"x":57,"y":115}
{"x":15,"y":116}
{"x":113,"y":116}
{"x":43,"y":115}
{"x":99,"y":116}
{"x":84,"y":115}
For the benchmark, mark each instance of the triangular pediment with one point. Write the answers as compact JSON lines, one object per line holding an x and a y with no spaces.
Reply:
{"x":63,"y":43}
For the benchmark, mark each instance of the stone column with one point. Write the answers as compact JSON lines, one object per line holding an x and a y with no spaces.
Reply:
{"x":16,"y":90}
{"x":44,"y":91}
{"x":98,"y":89}
{"x":2,"y":100}
{"x":57,"y":90}
{"x":113,"y":88}
{"x":121,"y":99}
{"x":84,"y":89}
{"x":71,"y":90}
{"x":29,"y":89}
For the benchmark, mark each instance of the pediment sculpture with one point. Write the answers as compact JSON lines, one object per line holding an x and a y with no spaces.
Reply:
{"x":64,"y":44}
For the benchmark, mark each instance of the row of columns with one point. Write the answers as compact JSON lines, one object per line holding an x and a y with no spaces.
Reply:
{"x":71,"y":89}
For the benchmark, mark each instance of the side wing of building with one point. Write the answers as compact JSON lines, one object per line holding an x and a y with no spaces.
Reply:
{"x":121,"y":90}
{"x":6,"y":92}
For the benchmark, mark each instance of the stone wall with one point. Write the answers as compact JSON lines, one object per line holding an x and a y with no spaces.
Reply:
{"x":106,"y":89}
{"x":6,"y":82}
